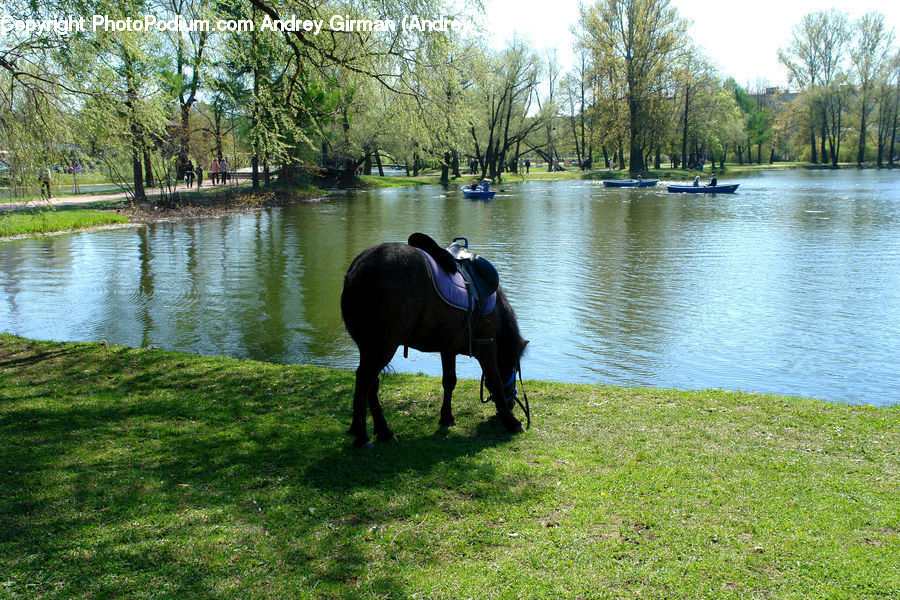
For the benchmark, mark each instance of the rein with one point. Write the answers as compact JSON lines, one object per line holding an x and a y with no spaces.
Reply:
{"x":512,"y":382}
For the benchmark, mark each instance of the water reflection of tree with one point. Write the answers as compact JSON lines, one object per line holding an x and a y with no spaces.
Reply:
{"x":145,"y":286}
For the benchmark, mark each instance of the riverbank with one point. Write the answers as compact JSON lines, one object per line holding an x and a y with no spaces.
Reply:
{"x":570,"y":174}
{"x":131,"y":473}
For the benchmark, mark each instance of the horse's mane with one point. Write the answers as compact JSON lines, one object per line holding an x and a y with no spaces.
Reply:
{"x":509,"y":326}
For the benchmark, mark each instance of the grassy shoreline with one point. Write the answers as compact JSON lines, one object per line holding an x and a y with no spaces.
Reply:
{"x":143,"y":473}
{"x":61,"y":219}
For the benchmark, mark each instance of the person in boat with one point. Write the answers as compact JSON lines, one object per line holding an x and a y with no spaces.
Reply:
{"x":474,"y":185}
{"x":697,"y":181}
{"x":486,"y":184}
{"x":640,"y":177}
{"x":712,"y":181}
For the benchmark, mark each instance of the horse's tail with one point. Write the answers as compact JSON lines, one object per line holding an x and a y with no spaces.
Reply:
{"x":353,"y":304}
{"x":440,"y":255}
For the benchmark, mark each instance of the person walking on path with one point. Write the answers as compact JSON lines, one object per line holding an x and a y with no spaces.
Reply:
{"x":45,"y":182}
{"x":214,"y":171}
{"x":189,"y":174}
{"x":199,"y":176}
{"x":223,"y":171}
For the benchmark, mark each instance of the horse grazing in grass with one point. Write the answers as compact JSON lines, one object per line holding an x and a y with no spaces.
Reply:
{"x":390,"y":300}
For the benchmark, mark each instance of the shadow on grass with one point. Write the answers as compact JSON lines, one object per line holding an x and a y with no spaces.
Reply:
{"x":125,"y":471}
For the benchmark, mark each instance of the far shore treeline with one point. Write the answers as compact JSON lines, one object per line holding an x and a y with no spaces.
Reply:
{"x":323,"y":105}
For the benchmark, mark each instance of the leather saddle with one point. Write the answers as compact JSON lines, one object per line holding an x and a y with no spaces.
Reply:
{"x":480,"y":275}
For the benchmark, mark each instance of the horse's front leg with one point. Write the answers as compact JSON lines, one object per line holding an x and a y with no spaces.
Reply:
{"x":448,"y":364}
{"x":486,"y":354}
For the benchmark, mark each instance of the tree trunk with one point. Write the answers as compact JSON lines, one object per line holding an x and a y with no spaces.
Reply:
{"x":139,"y":195}
{"x":684,"y":131}
{"x":577,"y":145}
{"x":445,"y":168}
{"x":812,"y":141}
{"x":636,"y":154}
{"x":218,"y":137}
{"x":254,"y":160}
{"x":587,"y":158}
{"x":184,"y":141}
{"x":148,"y":171}
{"x":861,"y":153}
{"x":254,"y":165}
{"x":894,"y":126}
{"x":378,"y":163}
{"x":137,"y":141}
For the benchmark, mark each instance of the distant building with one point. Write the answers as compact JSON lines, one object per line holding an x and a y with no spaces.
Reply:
{"x":773,"y":96}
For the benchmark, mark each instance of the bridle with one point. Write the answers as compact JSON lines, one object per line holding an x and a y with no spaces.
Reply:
{"x":509,"y":389}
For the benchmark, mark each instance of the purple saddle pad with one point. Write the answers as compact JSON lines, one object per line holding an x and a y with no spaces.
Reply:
{"x":452,"y":288}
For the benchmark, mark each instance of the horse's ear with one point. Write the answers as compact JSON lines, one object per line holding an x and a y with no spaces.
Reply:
{"x":524,"y":343}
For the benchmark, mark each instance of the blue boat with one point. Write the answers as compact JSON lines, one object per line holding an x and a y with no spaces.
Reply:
{"x":630,"y":182}
{"x":478,"y":193}
{"x":704,"y":189}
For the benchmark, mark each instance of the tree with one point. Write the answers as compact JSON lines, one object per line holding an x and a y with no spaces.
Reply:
{"x":888,"y":106}
{"x":188,"y":65}
{"x":870,"y":55}
{"x":638,"y":38}
{"x":694,"y":97}
{"x":803,"y":61}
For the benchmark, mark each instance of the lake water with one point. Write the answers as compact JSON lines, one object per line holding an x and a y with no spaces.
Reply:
{"x":789,"y":286}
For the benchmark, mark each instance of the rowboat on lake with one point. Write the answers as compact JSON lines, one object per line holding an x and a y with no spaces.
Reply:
{"x":478,"y":193}
{"x":630,"y":182}
{"x":704,"y":189}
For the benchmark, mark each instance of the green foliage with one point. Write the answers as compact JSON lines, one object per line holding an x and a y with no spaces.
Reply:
{"x":141,"y":473}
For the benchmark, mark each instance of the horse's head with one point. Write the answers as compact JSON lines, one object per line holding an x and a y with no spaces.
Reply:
{"x":510,"y":346}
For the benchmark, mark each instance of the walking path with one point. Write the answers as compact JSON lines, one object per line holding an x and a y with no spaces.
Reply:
{"x":89,"y":198}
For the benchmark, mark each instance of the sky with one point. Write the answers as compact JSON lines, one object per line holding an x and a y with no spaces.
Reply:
{"x":741,"y":38}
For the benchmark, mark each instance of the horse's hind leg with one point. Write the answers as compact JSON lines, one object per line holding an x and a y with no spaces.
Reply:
{"x":383,"y":433}
{"x":448,"y":364}
{"x":371,"y":363}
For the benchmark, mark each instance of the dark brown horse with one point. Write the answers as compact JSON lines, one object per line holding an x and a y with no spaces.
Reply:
{"x":389,"y":301}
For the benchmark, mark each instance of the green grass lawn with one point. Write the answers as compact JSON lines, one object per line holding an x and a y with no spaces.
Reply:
{"x":60,"y":219}
{"x":131,"y":473}
{"x":377,"y":181}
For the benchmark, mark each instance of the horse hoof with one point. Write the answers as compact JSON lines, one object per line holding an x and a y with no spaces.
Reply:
{"x":364,"y":444}
{"x":387,"y":438}
{"x":514,"y":426}
{"x":447,"y":422}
